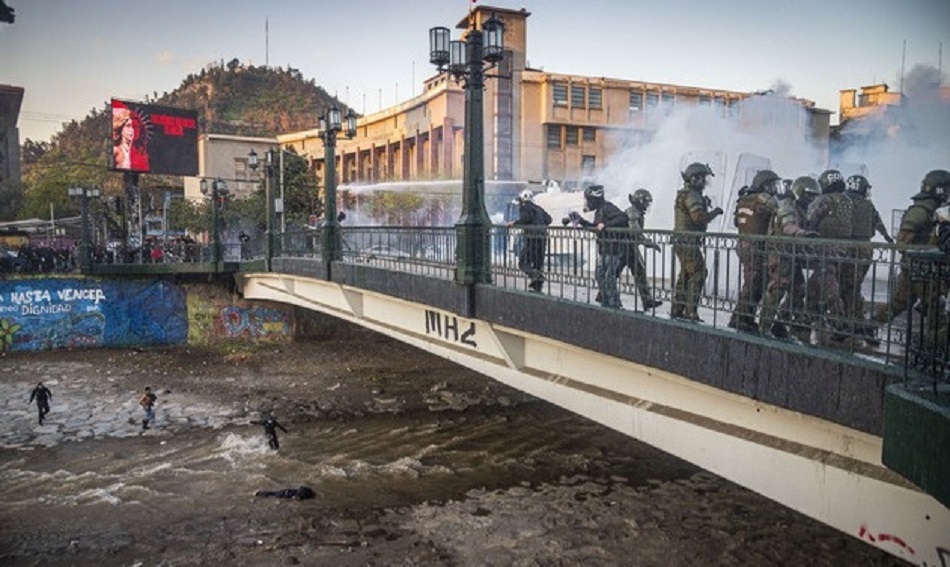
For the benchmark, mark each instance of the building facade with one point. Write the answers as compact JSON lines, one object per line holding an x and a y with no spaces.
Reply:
{"x":538,"y":125}
{"x":225,"y":157}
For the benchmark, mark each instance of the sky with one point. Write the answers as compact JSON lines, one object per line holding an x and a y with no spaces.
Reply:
{"x":71,"y":56}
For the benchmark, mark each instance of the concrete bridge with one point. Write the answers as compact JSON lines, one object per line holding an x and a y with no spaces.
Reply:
{"x":836,"y":432}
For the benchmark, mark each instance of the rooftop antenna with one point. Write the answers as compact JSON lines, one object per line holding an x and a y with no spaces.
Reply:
{"x":266,"y":42}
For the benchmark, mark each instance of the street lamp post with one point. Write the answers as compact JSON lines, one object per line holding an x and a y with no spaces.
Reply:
{"x":331,"y":124}
{"x":270,"y":163}
{"x":215,"y":189}
{"x":467,"y":60}
{"x":85,"y":248}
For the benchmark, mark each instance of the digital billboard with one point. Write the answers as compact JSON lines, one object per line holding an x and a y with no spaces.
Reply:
{"x":148,"y":138}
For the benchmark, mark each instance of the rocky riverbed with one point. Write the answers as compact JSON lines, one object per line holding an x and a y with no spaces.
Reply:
{"x":413,"y":461}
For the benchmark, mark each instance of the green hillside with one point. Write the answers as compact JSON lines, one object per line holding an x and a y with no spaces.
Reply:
{"x":230,"y":98}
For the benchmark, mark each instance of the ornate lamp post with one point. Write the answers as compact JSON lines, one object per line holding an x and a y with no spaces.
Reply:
{"x":331,"y":124}
{"x":85,"y":249}
{"x":467,"y":60}
{"x":215,"y":189}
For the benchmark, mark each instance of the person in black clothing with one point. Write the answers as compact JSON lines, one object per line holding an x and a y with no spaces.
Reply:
{"x":302,"y":493}
{"x":270,"y":430}
{"x":534,"y":242}
{"x":610,"y":245}
{"x":43,"y":396}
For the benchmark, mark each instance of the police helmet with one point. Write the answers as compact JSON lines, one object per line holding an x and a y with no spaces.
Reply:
{"x":805,"y":187}
{"x":831,"y":181}
{"x":937,"y":183}
{"x":765,"y":181}
{"x":525,"y":196}
{"x":641,"y":198}
{"x":858,"y":184}
{"x":695,"y":174}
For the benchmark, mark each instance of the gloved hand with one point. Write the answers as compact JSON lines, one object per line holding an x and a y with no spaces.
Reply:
{"x":808,"y":234}
{"x":653,"y":246}
{"x":889,"y":240}
{"x":565,"y":221}
{"x":716,"y":212}
{"x":942,"y":215}
{"x":575,"y":217}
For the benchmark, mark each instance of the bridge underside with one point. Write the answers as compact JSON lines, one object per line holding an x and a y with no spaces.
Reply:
{"x":765,"y":432}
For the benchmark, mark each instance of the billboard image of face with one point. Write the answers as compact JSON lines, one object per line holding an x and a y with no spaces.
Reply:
{"x":147,"y":138}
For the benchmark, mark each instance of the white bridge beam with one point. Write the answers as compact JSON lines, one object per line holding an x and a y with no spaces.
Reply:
{"x":826,"y":471}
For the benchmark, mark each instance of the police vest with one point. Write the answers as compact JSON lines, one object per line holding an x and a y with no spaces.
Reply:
{"x":862,"y":221}
{"x":754,"y":213}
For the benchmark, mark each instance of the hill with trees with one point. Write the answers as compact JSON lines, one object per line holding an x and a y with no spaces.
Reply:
{"x":230,"y":98}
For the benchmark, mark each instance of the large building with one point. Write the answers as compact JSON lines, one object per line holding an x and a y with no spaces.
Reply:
{"x":539,"y":125}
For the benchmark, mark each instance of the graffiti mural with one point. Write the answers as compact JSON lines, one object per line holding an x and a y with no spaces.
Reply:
{"x":254,"y":322}
{"x":44,"y":314}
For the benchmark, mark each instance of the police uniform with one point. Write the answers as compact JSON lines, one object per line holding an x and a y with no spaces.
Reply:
{"x":917,"y":228}
{"x":634,"y":259}
{"x":865,"y":222}
{"x":691,"y":214}
{"x":785,"y":272}
{"x":753,"y":215}
{"x":830,"y":214}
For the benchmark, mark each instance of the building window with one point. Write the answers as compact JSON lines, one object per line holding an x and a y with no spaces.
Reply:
{"x":554,"y":136}
{"x":636,"y":101}
{"x":590,"y":134}
{"x":577,"y":96}
{"x":560,"y":94}
{"x":705,"y":100}
{"x":570,"y":136}
{"x":653,"y":99}
{"x":588,"y":163}
{"x":667,"y":99}
{"x":595,"y":97}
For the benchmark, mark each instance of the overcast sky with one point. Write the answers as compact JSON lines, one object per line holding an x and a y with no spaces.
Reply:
{"x":74,"y":55}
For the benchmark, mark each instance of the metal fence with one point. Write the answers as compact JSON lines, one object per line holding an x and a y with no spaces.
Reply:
{"x":849,"y":296}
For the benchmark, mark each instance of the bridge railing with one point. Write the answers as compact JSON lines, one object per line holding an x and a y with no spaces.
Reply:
{"x":850,"y":296}
{"x":928,"y":323}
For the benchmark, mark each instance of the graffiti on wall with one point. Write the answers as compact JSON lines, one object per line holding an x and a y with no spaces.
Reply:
{"x":42,"y":314}
{"x":214,"y":315}
{"x":256,"y":322}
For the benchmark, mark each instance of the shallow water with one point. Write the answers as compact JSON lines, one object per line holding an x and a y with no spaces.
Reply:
{"x":521,"y":483}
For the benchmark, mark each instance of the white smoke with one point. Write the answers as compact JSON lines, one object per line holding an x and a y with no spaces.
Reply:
{"x":904,"y":143}
{"x":763,"y":131}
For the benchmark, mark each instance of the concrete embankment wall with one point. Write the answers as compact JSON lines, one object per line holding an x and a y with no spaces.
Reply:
{"x":42,"y":313}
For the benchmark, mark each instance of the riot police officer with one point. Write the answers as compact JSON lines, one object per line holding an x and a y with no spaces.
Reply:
{"x":917,"y":227}
{"x":534,"y":219}
{"x":640,"y":201}
{"x":753,"y":215}
{"x":691,"y":215}
{"x":784,"y":263}
{"x":830,"y":214}
{"x":865,"y":222}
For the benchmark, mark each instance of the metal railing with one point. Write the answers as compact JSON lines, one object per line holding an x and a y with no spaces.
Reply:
{"x":841,"y":295}
{"x":928,"y":350}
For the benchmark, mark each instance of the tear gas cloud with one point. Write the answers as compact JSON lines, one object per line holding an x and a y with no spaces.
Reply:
{"x":771,"y":131}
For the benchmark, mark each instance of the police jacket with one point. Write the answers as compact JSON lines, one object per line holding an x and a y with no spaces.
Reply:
{"x":917,"y":222}
{"x":787,"y":220}
{"x":636,"y":222}
{"x":831,"y":215}
{"x":691,"y":211}
{"x":866,"y":220}
{"x":754,"y":212}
